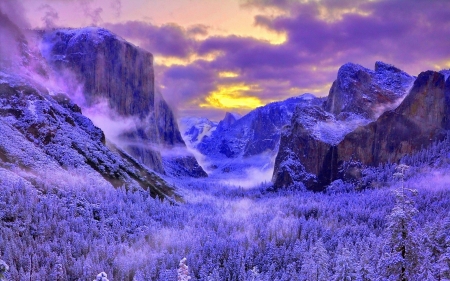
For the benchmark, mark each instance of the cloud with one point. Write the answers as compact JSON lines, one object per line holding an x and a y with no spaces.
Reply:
{"x":15,"y":11}
{"x":94,"y":14}
{"x":198,"y":29}
{"x":50,"y":16}
{"x":320,"y":37}
{"x":116,"y":5}
{"x":167,"y":40}
{"x":323,"y":35}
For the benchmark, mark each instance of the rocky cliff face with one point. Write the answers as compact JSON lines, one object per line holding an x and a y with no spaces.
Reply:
{"x":421,"y":118}
{"x":49,"y":143}
{"x":112,"y":69}
{"x":358,"y":90}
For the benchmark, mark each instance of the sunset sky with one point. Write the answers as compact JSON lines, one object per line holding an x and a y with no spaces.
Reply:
{"x":213,"y":56}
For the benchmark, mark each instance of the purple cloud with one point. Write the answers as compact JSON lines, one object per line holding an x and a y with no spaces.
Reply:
{"x":321,"y":36}
{"x":166,"y":40}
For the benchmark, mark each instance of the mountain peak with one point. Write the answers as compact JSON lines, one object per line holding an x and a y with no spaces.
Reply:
{"x":382,"y":66}
{"x":362,"y":91}
{"x":228,"y":120}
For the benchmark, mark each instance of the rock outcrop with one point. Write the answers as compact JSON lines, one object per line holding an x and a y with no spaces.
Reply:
{"x":113,"y":70}
{"x":421,"y":119}
{"x":368,"y":93}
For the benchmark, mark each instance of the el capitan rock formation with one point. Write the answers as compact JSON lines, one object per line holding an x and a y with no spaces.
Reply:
{"x":113,"y":70}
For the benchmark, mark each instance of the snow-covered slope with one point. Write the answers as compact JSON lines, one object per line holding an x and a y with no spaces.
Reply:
{"x":195,"y":129}
{"x":48,"y":142}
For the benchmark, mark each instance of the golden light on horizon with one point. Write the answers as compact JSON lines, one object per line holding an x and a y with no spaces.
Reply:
{"x":442,"y":65}
{"x":232,"y":97}
{"x":228,"y":74}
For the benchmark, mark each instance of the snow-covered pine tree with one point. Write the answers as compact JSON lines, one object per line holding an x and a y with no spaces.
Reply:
{"x":101,"y":277}
{"x":427,"y":271}
{"x":3,"y":269}
{"x":346,"y":267}
{"x":315,"y":267}
{"x":254,"y":274}
{"x":183,"y":271}
{"x":443,"y":241}
{"x":401,"y":258}
{"x":444,"y":266}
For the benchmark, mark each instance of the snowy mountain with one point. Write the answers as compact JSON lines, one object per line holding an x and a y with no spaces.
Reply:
{"x":112,"y":75}
{"x":48,"y":143}
{"x":239,"y":146}
{"x":195,"y":129}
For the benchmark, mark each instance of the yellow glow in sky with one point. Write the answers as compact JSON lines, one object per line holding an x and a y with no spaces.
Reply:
{"x":232,"y":97}
{"x":442,"y":65}
{"x":228,"y":74}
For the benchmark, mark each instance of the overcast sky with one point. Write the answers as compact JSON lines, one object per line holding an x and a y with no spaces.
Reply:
{"x":214,"y":56}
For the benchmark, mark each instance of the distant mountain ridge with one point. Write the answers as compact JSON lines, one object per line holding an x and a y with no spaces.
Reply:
{"x":251,"y":141}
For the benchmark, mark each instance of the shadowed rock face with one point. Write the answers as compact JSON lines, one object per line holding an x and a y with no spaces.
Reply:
{"x":365,"y":92}
{"x":421,"y":119}
{"x":300,"y":155}
{"x":107,"y":67}
{"x":111,"y":69}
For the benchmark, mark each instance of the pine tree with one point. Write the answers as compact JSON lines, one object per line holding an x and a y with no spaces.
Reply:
{"x":3,"y":269}
{"x":443,"y":241}
{"x":346,"y":267}
{"x":427,"y":270}
{"x":402,"y":255}
{"x":183,"y":271}
{"x":315,"y":266}
{"x":101,"y":277}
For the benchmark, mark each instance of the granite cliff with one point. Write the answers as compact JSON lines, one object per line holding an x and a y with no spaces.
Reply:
{"x":315,"y":159}
{"x":113,"y":70}
{"x":358,"y":90}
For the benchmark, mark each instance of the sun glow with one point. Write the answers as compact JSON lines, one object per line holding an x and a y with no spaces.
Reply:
{"x":232,"y":97}
{"x":228,"y":74}
{"x":442,"y":65}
